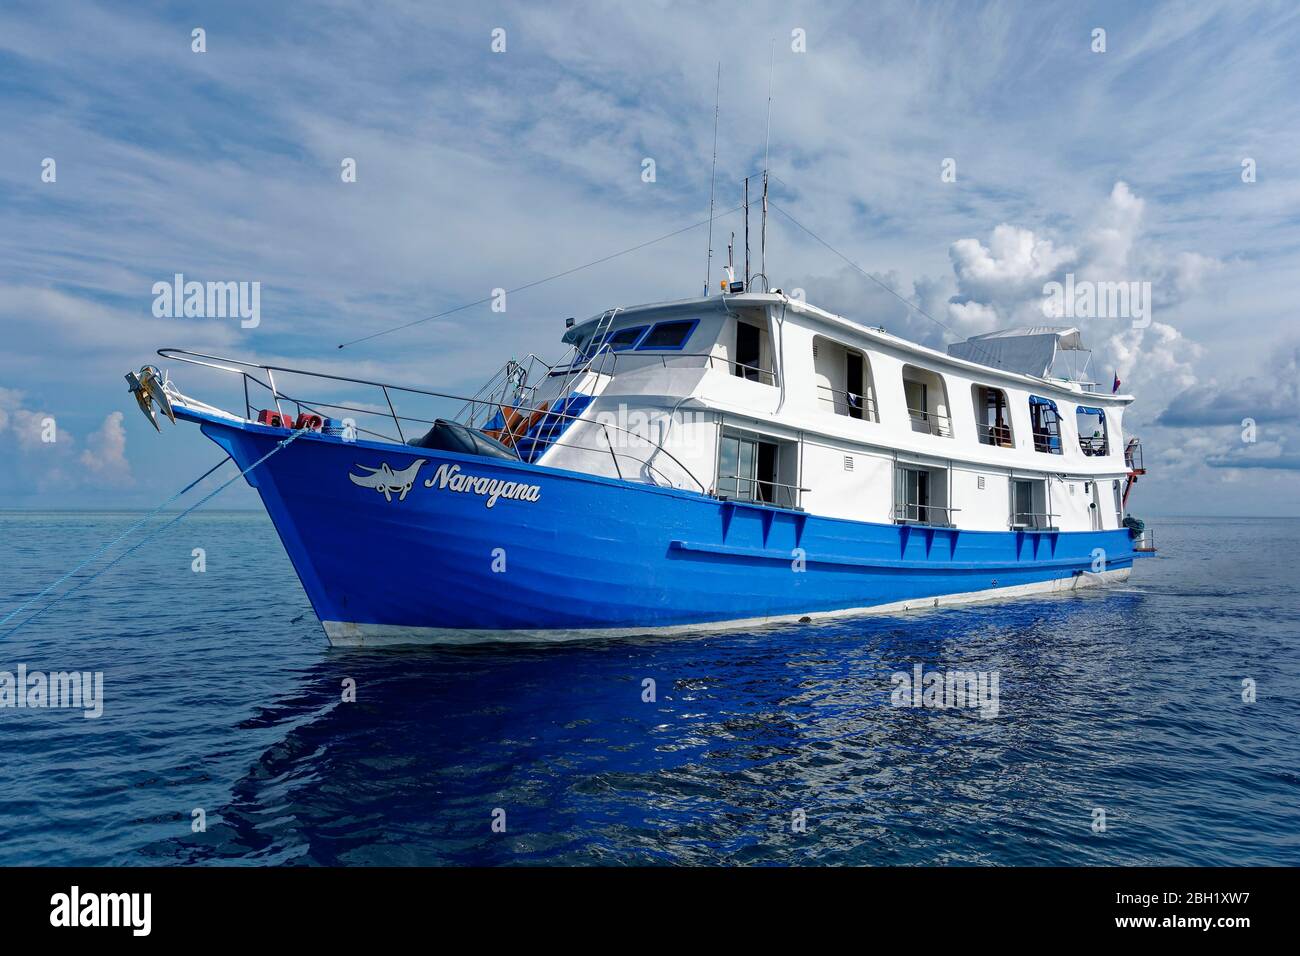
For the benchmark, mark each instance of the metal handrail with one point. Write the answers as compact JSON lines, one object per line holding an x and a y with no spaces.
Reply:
{"x":915,"y":507}
{"x":944,"y":428}
{"x":193,"y":358}
{"x":999,"y":436}
{"x":763,"y":483}
{"x":608,"y":352}
{"x":1094,"y":447}
{"x":1133,"y":455}
{"x":1035,"y":524}
{"x":1043,"y":442}
{"x":867,"y":404}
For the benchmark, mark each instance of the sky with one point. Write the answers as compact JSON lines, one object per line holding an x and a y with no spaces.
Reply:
{"x":962,"y":154}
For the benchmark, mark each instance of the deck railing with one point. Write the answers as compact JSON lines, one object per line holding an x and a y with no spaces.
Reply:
{"x":996,"y":435}
{"x":760,"y":491}
{"x":606,"y":361}
{"x":1047,"y":442}
{"x":912,"y":512}
{"x":931,"y":422}
{"x":1133,"y":455}
{"x":388,"y":411}
{"x":1032,"y":521}
{"x":848,"y":403}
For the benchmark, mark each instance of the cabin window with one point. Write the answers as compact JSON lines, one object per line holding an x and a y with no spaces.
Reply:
{"x":752,"y":358}
{"x":927,"y":401}
{"x":921,"y":495}
{"x":1092,"y":431}
{"x":669,"y":336}
{"x":992,"y":416}
{"x":754,"y":467}
{"x":843,"y":379}
{"x":1045,"y":423}
{"x":1119,"y":503}
{"x":625,"y":339}
{"x":1029,"y":504}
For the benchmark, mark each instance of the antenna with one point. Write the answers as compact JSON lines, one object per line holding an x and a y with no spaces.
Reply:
{"x":746,"y":204}
{"x":767,"y":148}
{"x":767,"y":136}
{"x":713,"y":180}
{"x":762,"y":241}
{"x":730,"y":281}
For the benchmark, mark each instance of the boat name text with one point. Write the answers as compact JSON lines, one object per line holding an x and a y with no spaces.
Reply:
{"x":450,"y":476}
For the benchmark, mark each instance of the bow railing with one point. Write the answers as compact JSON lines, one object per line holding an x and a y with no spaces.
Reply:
{"x":264,"y":376}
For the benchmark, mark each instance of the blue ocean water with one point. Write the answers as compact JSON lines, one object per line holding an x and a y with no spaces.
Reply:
{"x":221,"y":693}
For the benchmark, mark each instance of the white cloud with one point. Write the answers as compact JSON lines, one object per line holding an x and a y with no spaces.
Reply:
{"x":105,"y":452}
{"x":1014,"y":265}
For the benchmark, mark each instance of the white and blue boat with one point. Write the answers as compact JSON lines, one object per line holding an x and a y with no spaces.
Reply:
{"x":724,"y":461}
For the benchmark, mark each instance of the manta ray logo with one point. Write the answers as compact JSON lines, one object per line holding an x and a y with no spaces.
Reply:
{"x":388,"y":482}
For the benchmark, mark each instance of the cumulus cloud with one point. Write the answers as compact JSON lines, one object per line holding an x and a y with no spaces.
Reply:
{"x":105,"y":452}
{"x":1007,"y":272}
{"x":43,"y":455}
{"x":998,"y":283}
{"x":1274,"y":397}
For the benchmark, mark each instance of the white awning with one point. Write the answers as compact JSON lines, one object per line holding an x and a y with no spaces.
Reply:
{"x":1029,"y":351}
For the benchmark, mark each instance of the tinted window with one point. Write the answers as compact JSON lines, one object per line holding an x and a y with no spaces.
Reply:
{"x":668,"y":335}
{"x":625,"y":338}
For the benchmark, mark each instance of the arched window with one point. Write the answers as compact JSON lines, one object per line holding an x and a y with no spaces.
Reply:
{"x":1092,"y":431}
{"x":992,"y":416}
{"x":843,"y":378}
{"x":1045,"y":423}
{"x":927,"y":401}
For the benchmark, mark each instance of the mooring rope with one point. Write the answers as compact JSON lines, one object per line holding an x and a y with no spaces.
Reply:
{"x":161,"y":528}
{"x":36,"y":597}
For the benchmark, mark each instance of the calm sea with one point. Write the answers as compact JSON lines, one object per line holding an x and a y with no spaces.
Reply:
{"x":777,"y":746}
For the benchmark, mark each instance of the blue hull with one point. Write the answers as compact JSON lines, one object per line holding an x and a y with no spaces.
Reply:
{"x":562,"y":551}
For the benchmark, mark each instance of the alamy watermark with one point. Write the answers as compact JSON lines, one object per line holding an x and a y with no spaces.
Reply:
{"x":208,"y":300}
{"x":945,"y":690}
{"x":1085,"y":299}
{"x":637,"y":428}
{"x":82,"y":690}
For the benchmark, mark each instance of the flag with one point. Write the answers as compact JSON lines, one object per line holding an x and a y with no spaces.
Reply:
{"x":1115,"y":388}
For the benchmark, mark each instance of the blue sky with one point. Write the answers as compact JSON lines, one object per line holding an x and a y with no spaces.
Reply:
{"x":478,"y":170}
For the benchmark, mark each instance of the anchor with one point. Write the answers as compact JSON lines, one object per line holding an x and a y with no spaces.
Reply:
{"x":149,"y":386}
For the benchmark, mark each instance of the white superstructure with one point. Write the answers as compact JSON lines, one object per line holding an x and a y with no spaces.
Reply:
{"x":761,"y":396}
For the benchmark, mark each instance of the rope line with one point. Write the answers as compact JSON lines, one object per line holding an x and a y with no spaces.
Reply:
{"x":36,"y":597}
{"x":537,"y":282}
{"x":157,"y":531}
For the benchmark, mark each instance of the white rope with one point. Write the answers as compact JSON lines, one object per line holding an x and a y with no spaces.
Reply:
{"x":161,"y":528}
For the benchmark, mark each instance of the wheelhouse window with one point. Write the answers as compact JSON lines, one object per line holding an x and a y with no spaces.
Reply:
{"x":1029,"y":505}
{"x":624,"y":339}
{"x":927,"y":401}
{"x":752,"y":356}
{"x":921,"y":495}
{"x":754,"y":467}
{"x":992,"y":416}
{"x":1092,"y":431}
{"x":1045,"y":423}
{"x":668,"y":336}
{"x":843,"y":380}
